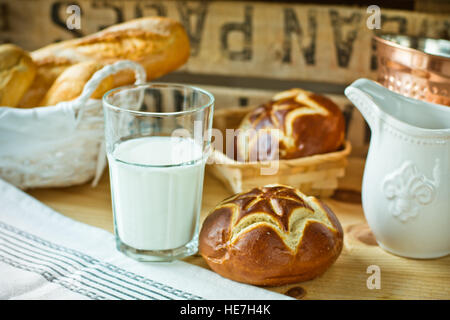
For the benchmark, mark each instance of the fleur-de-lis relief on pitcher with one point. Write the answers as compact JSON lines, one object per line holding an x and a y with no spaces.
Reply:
{"x":407,"y":189}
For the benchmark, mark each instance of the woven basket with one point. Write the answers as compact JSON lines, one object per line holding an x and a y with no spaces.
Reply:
{"x":315,"y":175}
{"x":59,"y":145}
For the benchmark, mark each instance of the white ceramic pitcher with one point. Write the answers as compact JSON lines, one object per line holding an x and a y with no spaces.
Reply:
{"x":406,"y":184}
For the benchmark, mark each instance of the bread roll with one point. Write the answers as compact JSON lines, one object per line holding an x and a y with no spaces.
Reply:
{"x":159,"y":44}
{"x":271,"y":236}
{"x":305,"y":124}
{"x":70,"y":83}
{"x":17,"y":72}
{"x":46,"y":74}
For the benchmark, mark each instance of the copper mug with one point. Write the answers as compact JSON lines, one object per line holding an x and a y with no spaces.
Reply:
{"x":415,"y":67}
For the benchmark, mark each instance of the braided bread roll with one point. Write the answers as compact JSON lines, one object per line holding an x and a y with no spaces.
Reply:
{"x":271,"y":236}
{"x":306,"y":124}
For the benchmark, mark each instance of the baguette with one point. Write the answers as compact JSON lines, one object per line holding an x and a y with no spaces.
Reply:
{"x":70,"y":83}
{"x":46,"y":74}
{"x":17,"y":72}
{"x":159,"y":44}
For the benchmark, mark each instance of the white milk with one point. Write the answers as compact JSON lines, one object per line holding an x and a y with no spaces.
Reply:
{"x":156,"y":208}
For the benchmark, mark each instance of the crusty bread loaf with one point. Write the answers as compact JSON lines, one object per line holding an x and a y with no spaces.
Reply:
{"x":46,"y":74}
{"x":159,"y":44}
{"x":300,"y":122}
{"x":17,"y":72}
{"x":70,"y":83}
{"x":271,"y":236}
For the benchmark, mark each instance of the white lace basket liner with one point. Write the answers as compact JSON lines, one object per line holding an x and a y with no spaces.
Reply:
{"x":59,"y":145}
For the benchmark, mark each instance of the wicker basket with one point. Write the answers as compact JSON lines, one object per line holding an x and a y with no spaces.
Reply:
{"x":315,"y":175}
{"x":59,"y":145}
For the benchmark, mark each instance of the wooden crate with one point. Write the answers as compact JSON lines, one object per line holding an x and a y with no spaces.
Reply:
{"x":245,"y":51}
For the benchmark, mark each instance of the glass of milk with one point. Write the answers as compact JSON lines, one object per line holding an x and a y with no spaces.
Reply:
{"x":158,"y":139}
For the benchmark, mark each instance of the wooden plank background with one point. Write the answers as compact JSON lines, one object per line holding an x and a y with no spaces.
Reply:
{"x":244,"y":52}
{"x":272,"y":40}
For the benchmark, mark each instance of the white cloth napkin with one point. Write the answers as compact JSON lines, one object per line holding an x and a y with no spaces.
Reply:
{"x":44,"y":255}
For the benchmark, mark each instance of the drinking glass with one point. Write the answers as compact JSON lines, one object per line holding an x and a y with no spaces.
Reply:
{"x":158,"y":138}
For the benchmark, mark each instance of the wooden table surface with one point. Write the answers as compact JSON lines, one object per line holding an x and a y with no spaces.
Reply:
{"x":401,"y":278}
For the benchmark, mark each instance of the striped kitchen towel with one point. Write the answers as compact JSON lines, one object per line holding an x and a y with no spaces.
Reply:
{"x":44,"y":255}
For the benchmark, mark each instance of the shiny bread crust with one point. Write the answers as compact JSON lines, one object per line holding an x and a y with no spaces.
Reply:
{"x":306,"y":123}
{"x":288,"y":237}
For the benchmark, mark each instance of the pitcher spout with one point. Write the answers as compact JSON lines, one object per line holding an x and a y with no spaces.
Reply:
{"x":411,"y":116}
{"x":364,"y":95}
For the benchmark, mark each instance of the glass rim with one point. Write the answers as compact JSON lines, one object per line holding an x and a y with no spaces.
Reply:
{"x":162,"y":166}
{"x":156,"y":84}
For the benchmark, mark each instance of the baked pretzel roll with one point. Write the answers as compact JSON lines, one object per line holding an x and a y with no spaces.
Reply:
{"x":270,"y":236}
{"x":301,"y":122}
